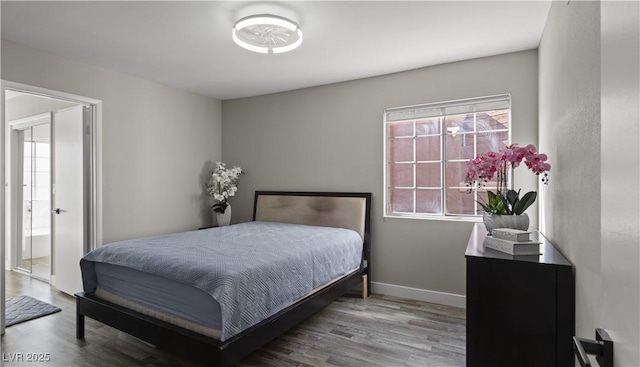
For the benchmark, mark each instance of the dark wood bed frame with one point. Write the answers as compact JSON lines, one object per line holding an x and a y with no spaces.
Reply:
{"x":212,"y":351}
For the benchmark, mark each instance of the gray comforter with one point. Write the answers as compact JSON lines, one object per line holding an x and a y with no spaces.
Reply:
{"x":253,"y":270}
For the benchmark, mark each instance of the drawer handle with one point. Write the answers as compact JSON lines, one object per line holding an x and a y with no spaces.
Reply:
{"x":602,"y":348}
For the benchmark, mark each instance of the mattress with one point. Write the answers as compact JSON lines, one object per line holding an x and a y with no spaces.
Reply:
{"x":222,"y":280}
{"x":144,"y":292}
{"x":164,"y":308}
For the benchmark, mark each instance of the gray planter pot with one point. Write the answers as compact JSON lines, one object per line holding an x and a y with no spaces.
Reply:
{"x":492,"y":221}
{"x":223,"y":219}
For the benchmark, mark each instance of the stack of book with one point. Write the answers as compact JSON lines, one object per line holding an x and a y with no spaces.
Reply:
{"x":512,"y":241}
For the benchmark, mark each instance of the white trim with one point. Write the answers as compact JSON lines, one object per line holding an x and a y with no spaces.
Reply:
{"x":96,"y":175}
{"x":425,"y":295}
{"x":27,"y":122}
{"x":49,"y":93}
{"x":452,"y":218}
{"x":2,"y":211}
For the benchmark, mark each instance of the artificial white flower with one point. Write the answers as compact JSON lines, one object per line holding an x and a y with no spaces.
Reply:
{"x":223,"y":184}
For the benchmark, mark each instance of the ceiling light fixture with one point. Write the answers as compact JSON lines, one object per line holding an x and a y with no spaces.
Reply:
{"x":267,"y":34}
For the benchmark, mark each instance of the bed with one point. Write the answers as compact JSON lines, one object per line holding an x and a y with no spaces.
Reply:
{"x":122,"y":287}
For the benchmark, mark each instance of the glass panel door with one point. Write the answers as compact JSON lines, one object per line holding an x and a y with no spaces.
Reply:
{"x":24,"y":238}
{"x":34,"y":249}
{"x":41,"y":202}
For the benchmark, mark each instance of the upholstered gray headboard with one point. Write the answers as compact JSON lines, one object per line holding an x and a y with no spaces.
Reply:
{"x":341,"y":210}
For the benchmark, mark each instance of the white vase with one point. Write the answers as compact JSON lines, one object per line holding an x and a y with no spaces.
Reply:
{"x":492,"y":221}
{"x":223,"y":219}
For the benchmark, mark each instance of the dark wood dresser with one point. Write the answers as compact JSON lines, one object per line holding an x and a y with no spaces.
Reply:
{"x":520,"y":309}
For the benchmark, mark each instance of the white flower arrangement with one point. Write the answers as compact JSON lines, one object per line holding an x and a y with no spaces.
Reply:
{"x":223,"y":185}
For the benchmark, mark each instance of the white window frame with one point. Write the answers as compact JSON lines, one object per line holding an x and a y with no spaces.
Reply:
{"x":416,"y":110}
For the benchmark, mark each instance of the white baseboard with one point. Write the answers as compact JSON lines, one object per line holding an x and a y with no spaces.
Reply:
{"x":425,"y":295}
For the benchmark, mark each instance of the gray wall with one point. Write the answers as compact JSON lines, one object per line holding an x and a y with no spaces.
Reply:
{"x":589,"y":111}
{"x":330,"y":138}
{"x":570,"y":133}
{"x":157,"y":142}
{"x":620,"y":178}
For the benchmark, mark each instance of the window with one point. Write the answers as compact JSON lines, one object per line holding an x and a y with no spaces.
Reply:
{"x":427,"y":148}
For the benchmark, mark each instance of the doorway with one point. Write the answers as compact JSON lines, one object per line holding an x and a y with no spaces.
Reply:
{"x":51,"y":194}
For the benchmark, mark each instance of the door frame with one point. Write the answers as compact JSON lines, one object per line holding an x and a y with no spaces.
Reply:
{"x":94,"y":159}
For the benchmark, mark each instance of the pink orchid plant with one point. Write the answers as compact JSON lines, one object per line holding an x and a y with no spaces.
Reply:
{"x":486,"y":166}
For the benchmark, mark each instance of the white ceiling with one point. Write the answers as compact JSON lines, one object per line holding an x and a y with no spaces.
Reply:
{"x":188,"y":44}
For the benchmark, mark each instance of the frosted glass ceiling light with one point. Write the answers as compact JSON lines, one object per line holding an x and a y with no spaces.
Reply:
{"x":267,"y":34}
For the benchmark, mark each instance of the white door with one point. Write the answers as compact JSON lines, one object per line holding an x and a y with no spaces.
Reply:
{"x":68,"y":208}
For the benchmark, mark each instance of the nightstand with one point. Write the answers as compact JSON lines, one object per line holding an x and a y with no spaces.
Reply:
{"x":207,"y":227}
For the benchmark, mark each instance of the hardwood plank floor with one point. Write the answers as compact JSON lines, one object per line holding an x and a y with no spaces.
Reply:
{"x":379,"y":331}
{"x":40,"y":266}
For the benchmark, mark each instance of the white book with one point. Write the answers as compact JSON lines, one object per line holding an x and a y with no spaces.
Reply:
{"x":511,"y":234}
{"x":512,"y":247}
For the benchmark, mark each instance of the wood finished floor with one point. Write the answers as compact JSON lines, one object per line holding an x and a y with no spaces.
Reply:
{"x":40,"y":266}
{"x":379,"y":331}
